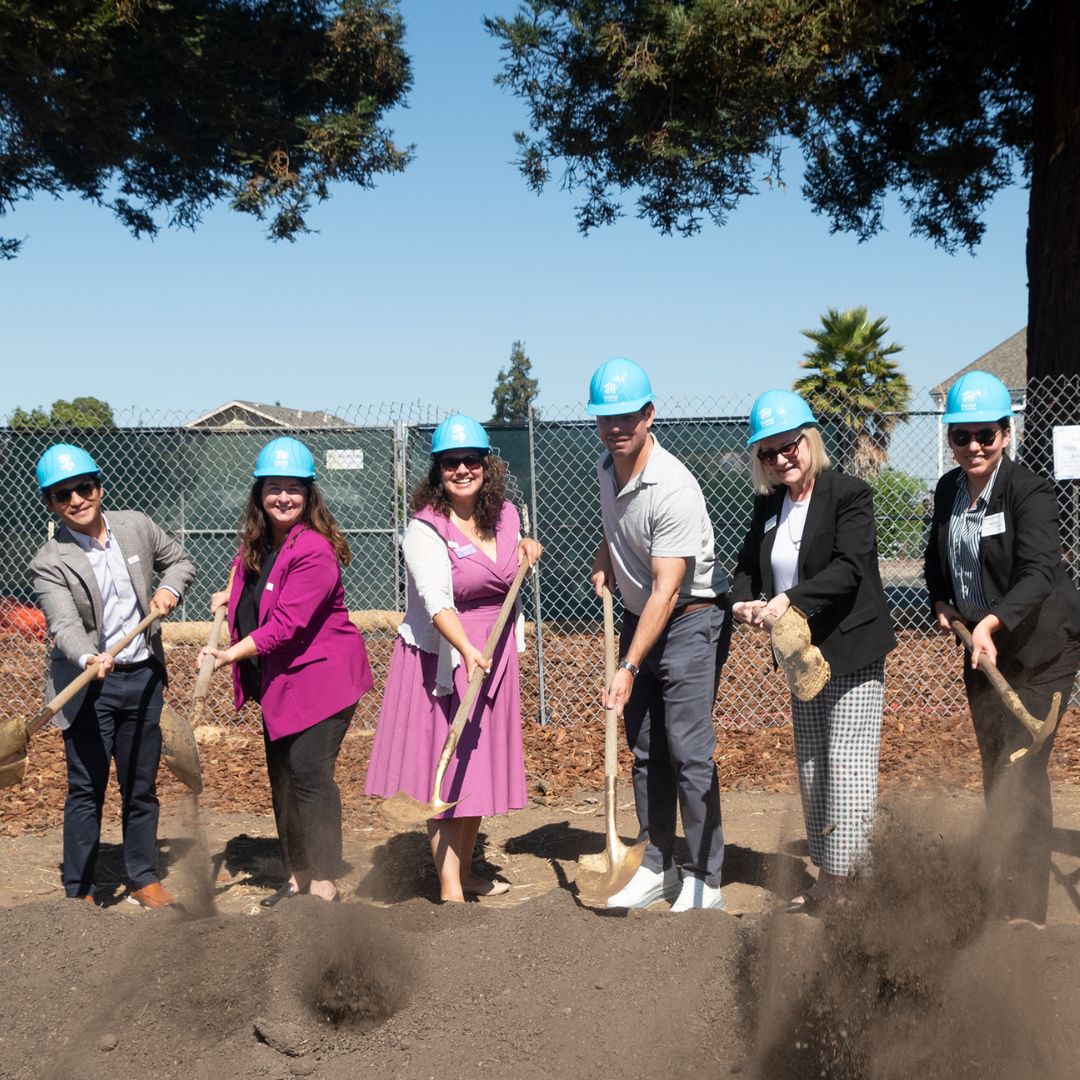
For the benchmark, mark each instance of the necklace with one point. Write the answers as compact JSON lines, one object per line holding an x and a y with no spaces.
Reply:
{"x":796,"y":542}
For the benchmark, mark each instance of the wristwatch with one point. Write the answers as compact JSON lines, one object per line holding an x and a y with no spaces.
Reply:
{"x":632,"y":668}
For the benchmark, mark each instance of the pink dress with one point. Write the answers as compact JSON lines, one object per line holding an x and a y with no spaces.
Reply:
{"x":487,"y":772}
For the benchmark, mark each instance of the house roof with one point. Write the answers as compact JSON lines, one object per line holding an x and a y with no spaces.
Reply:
{"x":1008,"y":361}
{"x":254,"y":414}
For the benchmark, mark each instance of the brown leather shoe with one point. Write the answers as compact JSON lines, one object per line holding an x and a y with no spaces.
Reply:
{"x":150,"y":896}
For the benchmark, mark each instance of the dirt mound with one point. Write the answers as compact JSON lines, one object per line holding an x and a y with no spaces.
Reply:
{"x":917,"y":974}
{"x":411,"y":990}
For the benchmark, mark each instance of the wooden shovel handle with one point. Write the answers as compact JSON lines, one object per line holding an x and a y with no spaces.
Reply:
{"x":611,"y":733}
{"x":206,"y":669}
{"x":462,"y":714}
{"x":87,"y":677}
{"x":998,"y":681}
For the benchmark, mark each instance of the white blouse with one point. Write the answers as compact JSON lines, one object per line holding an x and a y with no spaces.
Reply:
{"x":785,"y":552}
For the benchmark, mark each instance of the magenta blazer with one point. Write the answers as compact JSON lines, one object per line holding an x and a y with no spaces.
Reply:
{"x":314,"y":661}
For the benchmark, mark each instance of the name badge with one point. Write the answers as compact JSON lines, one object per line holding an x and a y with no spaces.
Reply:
{"x":269,"y":586}
{"x":133,"y":559}
{"x":993,"y":524}
{"x":770,"y":524}
{"x":466,"y":551}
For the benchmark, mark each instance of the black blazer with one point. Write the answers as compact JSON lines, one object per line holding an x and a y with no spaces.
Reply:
{"x":839,"y":586}
{"x":1023,"y":577}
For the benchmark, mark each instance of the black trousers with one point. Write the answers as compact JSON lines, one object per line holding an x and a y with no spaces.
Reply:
{"x":119,"y":719}
{"x":307,"y":802}
{"x":1020,"y":814}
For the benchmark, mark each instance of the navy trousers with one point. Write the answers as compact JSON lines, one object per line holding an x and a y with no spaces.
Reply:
{"x":120,"y":719}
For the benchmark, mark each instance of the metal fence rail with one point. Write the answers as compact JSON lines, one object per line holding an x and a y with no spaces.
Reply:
{"x":193,"y":479}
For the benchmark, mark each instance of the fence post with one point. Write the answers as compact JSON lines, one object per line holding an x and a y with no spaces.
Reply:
{"x":537,"y":610}
{"x":399,"y":464}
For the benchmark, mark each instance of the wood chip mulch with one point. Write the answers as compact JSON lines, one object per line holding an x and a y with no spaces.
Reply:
{"x":917,"y":753}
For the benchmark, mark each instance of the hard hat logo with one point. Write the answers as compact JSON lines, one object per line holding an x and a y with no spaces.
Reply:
{"x":611,"y":391}
{"x":457,"y":433}
{"x":765,"y":416}
{"x":66,"y":463}
{"x":281,"y":457}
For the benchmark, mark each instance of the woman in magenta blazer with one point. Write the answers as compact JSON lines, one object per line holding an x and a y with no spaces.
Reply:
{"x":298,"y":655}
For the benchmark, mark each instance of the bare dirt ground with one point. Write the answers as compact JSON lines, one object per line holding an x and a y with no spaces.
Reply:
{"x":917,"y":977}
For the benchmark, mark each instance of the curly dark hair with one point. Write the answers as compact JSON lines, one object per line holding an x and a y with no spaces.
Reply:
{"x":430,"y":492}
{"x":255,"y":531}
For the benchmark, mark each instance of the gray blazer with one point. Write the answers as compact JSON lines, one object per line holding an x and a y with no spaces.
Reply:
{"x":68,"y":594}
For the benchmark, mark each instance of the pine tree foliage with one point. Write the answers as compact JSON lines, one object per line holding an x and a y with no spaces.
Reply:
{"x":515,"y":389}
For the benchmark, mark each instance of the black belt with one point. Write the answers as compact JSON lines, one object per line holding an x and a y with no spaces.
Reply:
{"x":698,"y":605}
{"x":136,"y":665}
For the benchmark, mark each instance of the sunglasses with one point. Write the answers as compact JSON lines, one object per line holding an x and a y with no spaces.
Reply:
{"x":470,"y":461}
{"x":984,"y":437}
{"x":789,"y":450}
{"x":84,"y":489}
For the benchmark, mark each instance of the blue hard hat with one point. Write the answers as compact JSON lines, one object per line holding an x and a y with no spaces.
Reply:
{"x":618,"y":386}
{"x":285,"y":456}
{"x":976,"y":398}
{"x":460,"y":432}
{"x":61,"y":462}
{"x":776,"y":411}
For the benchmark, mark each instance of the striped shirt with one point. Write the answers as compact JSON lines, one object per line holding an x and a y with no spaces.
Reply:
{"x":965,"y":534}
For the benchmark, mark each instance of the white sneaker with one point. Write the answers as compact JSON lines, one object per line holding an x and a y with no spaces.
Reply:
{"x":695,"y":894}
{"x":646,"y":887}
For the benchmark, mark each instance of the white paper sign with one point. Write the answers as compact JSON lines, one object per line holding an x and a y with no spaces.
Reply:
{"x":344,"y":459}
{"x":993,"y":524}
{"x":1067,"y":453}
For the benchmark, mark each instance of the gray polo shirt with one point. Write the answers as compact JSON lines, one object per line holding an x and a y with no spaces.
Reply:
{"x":659,"y":514}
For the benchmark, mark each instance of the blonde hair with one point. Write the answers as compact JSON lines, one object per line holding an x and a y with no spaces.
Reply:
{"x":819,"y":461}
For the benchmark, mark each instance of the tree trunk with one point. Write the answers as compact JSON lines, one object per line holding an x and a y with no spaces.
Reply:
{"x":1053,"y":251}
{"x":1053,"y":246}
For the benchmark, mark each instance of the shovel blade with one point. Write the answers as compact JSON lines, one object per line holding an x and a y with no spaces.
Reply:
{"x":602,"y":876}
{"x":179,"y":749}
{"x":12,"y":772}
{"x":405,"y":811}
{"x":13,"y":744}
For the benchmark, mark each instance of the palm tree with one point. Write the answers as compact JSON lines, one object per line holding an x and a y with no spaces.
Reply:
{"x":855,"y":386}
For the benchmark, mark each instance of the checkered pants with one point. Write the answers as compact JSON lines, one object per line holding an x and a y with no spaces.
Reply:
{"x":837,"y":739}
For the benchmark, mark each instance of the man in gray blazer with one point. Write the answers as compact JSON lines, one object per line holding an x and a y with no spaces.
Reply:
{"x":93,"y":580}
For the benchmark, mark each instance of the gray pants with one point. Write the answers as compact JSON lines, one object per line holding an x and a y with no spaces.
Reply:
{"x":670,"y":731}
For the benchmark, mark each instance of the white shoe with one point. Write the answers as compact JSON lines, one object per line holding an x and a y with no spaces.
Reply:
{"x":646,"y":887}
{"x":695,"y":894}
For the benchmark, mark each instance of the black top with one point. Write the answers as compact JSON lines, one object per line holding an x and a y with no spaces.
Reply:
{"x":247,"y":619}
{"x":839,"y":588}
{"x":1023,"y":576}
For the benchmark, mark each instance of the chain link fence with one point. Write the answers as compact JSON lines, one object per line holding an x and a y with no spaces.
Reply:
{"x":193,"y":476}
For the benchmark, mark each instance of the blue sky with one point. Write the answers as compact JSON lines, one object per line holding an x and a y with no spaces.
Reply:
{"x":416,"y":290}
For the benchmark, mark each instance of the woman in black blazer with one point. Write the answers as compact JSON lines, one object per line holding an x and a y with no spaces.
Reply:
{"x":812,"y":544}
{"x":993,"y":561}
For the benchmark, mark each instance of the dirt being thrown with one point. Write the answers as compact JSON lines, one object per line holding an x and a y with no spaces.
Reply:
{"x":914,"y":976}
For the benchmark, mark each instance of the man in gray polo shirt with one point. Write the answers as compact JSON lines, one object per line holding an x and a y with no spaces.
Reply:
{"x":658,"y":548}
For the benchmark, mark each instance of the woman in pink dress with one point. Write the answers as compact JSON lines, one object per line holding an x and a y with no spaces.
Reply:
{"x":462,"y":551}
